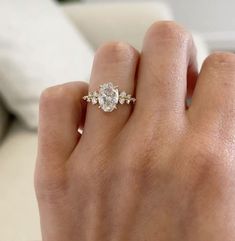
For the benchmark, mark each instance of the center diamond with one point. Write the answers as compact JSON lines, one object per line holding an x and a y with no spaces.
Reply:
{"x":108,"y":97}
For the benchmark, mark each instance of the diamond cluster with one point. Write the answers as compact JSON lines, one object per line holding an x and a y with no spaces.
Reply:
{"x":108,"y":97}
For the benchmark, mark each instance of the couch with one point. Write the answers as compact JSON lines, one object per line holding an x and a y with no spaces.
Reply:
{"x":19,"y":219}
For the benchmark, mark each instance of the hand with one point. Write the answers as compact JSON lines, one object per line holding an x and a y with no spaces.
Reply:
{"x":155,"y":171}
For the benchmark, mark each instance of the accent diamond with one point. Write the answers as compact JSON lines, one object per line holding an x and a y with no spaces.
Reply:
{"x":122,"y":101}
{"x":122,"y":97}
{"x":123,"y":94}
{"x":94,"y":100}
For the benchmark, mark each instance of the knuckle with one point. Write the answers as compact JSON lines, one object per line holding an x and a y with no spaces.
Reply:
{"x":210,"y":163}
{"x":221,"y":66}
{"x":208,"y":152}
{"x":60,"y":94}
{"x":168,"y":31}
{"x":206,"y":155}
{"x":221,"y":59}
{"x":116,"y":52}
{"x":51,"y":94}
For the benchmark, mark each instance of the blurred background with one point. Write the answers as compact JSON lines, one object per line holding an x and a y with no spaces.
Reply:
{"x":213,"y":19}
{"x":45,"y":43}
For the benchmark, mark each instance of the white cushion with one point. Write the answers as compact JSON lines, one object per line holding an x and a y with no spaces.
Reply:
{"x":39,"y":47}
{"x":124,"y":21}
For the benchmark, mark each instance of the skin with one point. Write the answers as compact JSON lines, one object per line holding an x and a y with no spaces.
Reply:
{"x":155,"y":171}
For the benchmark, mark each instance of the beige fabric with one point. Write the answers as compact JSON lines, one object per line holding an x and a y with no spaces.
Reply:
{"x":19,"y":220}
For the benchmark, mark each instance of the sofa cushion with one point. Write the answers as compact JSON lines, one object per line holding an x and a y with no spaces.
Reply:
{"x":18,"y":207}
{"x":122,"y":20}
{"x":39,"y":47}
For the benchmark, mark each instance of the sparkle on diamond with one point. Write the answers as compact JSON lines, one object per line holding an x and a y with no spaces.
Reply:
{"x":108,"y":97}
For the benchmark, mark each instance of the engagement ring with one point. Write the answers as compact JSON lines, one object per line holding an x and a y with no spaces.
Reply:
{"x":108,"y":97}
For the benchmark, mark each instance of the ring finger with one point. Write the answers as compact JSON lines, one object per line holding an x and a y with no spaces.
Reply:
{"x":114,"y":62}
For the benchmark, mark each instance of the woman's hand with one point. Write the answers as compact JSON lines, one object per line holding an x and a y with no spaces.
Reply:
{"x":155,"y":171}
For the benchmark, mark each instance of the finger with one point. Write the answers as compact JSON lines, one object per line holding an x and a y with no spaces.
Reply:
{"x":213,"y":102}
{"x":168,"y":58}
{"x":114,"y":62}
{"x":61,"y":114}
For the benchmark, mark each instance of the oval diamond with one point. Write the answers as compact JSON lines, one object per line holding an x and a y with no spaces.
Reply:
{"x":108,"y":97}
